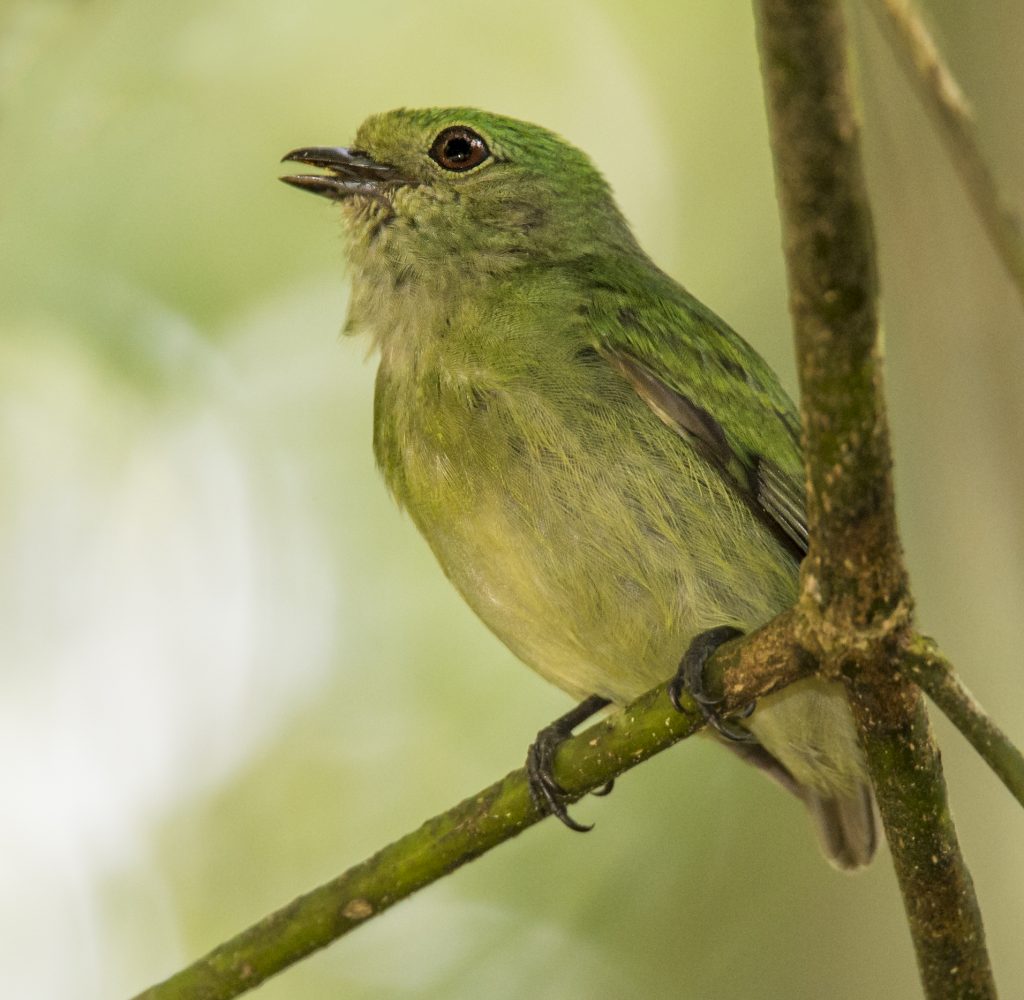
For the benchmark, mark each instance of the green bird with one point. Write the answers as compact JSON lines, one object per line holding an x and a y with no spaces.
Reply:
{"x":607,"y":472}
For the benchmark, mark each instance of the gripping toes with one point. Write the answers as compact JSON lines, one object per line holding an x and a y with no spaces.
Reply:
{"x":547,"y":794}
{"x":690,"y":678}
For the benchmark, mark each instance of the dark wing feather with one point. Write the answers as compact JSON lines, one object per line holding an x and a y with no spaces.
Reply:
{"x":674,"y":352}
{"x":782,"y":497}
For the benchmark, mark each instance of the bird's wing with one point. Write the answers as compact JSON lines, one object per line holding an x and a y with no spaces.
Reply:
{"x":706,"y":383}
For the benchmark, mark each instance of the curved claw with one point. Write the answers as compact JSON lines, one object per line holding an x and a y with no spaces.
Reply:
{"x":676,"y":689}
{"x":726,"y":729}
{"x":547,"y":794}
{"x":690,"y":678}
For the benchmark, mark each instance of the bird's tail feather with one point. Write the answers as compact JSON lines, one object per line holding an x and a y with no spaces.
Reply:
{"x":808,"y":743}
{"x":845,"y":826}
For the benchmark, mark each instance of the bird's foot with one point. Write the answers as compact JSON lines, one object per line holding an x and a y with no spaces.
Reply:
{"x":690,"y":678}
{"x":547,"y":794}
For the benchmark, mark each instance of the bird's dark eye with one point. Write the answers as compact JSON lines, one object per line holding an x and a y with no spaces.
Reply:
{"x":459,"y":148}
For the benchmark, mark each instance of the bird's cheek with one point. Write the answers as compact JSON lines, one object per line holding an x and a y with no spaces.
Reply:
{"x":410,"y":202}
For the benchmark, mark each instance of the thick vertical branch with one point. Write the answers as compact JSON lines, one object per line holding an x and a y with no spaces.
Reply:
{"x":833,"y":294}
{"x":937,"y":892}
{"x":855,"y":600}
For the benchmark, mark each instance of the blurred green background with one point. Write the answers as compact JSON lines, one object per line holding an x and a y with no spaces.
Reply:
{"x":229,"y":668}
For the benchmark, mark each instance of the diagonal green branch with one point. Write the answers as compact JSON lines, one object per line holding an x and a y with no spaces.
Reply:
{"x":938,"y":89}
{"x":854,"y":593}
{"x":934,"y":674}
{"x":744,"y":669}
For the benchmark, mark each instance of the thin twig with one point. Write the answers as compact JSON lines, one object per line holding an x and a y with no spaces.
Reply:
{"x":931,"y":671}
{"x":854,"y":584}
{"x":748,"y":668}
{"x":938,"y":89}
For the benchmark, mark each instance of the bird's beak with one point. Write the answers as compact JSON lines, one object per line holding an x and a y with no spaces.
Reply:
{"x":351,"y":172}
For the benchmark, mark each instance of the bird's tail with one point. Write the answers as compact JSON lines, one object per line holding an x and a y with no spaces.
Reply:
{"x":845,"y":826}
{"x":808,"y":743}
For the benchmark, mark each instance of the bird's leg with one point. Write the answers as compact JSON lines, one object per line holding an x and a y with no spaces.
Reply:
{"x":690,"y":678}
{"x":547,"y":794}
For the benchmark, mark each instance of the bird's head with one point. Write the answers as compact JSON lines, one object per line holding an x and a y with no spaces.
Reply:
{"x":457,"y":192}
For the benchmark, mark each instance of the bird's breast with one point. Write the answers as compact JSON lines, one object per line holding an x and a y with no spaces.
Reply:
{"x":576,"y":526}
